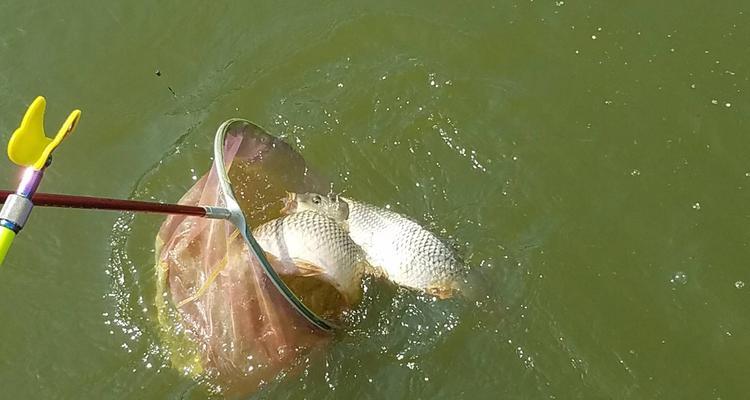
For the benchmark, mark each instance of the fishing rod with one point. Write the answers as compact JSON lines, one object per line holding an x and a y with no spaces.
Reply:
{"x":103,"y":203}
{"x":31,"y":149}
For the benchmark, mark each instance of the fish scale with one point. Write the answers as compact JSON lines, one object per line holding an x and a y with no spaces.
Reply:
{"x":308,"y":240}
{"x":409,"y":254}
{"x":400,"y":248}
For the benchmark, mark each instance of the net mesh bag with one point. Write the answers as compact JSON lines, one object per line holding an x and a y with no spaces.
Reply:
{"x":221,"y":317}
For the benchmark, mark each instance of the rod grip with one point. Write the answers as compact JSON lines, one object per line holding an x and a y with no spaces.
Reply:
{"x":6,"y":239}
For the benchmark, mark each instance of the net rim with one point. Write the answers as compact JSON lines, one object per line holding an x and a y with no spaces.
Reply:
{"x":238,"y":219}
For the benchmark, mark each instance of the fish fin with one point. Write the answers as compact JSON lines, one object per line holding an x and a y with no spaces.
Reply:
{"x":290,"y":204}
{"x":374,"y":271}
{"x":441,"y":292}
{"x":278,"y":265}
{"x":307,"y":268}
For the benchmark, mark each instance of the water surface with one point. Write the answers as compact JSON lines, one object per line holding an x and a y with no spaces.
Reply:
{"x":589,"y":160}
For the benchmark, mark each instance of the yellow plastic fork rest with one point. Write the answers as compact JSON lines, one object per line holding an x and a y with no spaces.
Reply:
{"x":29,"y":146}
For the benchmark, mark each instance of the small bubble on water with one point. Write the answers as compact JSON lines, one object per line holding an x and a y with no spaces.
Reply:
{"x":635,"y":172}
{"x":739,"y":284}
{"x":697,"y":206}
{"x":679,"y":278}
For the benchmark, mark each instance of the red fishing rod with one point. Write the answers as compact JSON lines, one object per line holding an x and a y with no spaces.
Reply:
{"x":101,"y":203}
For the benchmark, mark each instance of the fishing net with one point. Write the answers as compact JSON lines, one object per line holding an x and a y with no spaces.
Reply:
{"x":221,"y":316}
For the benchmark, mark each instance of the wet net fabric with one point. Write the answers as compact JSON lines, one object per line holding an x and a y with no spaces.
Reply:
{"x":221,"y":317}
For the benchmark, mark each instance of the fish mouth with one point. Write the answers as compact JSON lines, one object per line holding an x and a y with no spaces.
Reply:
{"x":290,"y":203}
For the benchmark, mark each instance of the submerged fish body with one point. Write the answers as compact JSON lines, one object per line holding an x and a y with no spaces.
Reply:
{"x":404,"y":251}
{"x":310,"y":244}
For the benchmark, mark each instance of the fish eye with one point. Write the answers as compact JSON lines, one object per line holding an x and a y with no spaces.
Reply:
{"x":316,"y":199}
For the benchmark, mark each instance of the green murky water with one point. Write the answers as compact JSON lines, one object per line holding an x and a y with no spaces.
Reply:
{"x":590,"y":161}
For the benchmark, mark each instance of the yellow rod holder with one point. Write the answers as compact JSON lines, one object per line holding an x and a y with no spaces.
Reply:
{"x":29,"y":147}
